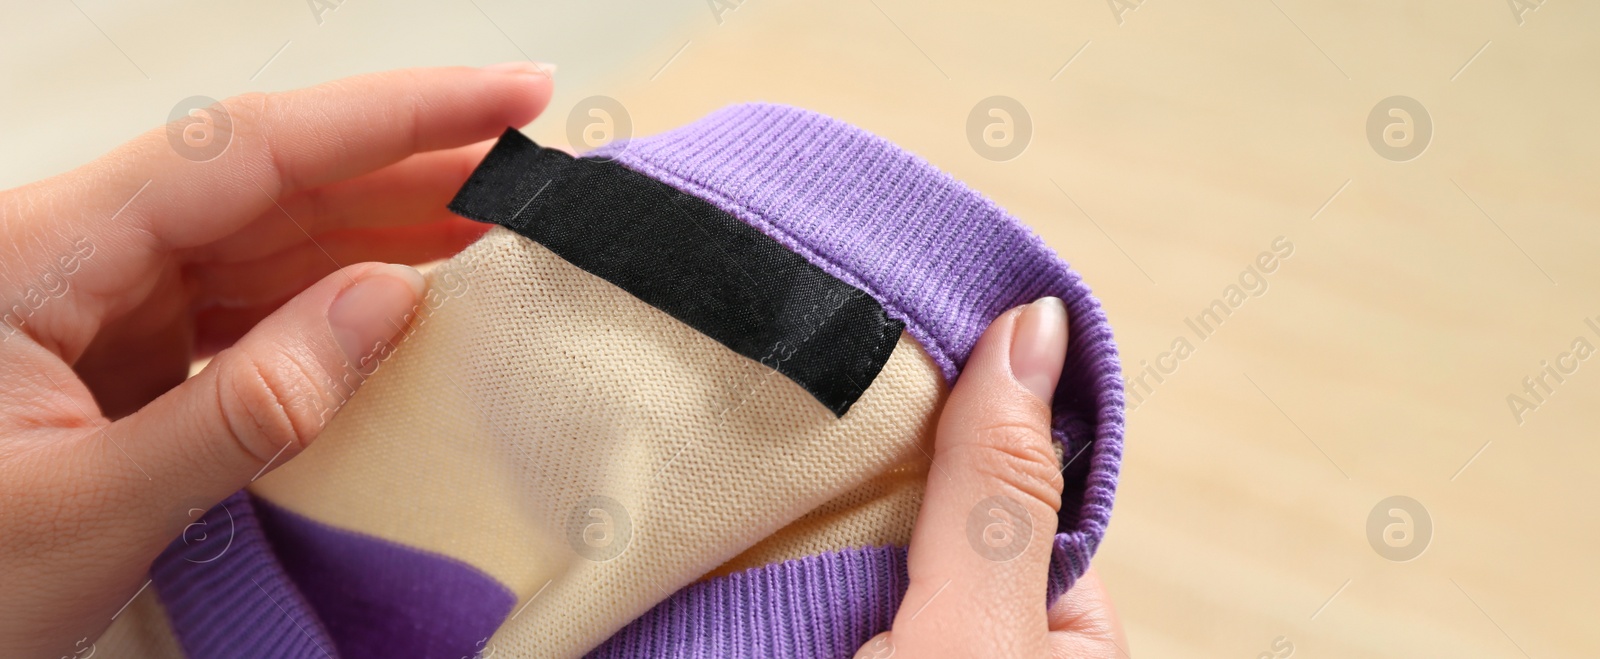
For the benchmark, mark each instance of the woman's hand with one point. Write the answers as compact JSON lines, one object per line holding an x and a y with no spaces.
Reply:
{"x":980,"y":550}
{"x":116,"y":275}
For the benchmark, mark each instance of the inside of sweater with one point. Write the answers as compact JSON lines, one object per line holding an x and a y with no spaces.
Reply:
{"x":551,"y":444}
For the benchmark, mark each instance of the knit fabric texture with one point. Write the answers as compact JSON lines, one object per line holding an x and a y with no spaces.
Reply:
{"x":939,"y":256}
{"x":549,"y":466}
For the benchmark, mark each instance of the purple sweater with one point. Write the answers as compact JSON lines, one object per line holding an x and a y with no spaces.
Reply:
{"x":936,"y":256}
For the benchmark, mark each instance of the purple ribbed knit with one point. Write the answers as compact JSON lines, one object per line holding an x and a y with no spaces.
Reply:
{"x":379,"y":598}
{"x":936,"y":254}
{"x":226,"y":595}
{"x":820,"y":606}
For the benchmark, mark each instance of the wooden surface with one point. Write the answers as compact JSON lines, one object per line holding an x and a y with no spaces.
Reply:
{"x":1170,"y":145}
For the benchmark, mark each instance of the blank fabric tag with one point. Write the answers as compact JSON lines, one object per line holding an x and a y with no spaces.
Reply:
{"x":690,"y":259}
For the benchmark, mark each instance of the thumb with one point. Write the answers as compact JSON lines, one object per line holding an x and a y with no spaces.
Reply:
{"x":263,"y":400}
{"x":980,"y":550}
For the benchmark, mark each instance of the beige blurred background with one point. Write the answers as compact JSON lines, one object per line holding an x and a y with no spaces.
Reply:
{"x":1170,"y":143}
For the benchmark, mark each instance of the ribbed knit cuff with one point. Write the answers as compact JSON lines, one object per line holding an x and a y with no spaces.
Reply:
{"x":226,"y":594}
{"x":936,"y":254}
{"x":824,"y":606}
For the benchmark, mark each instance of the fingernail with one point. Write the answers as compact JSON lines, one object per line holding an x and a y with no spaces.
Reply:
{"x":1039,"y":346}
{"x":532,"y":68}
{"x":368,"y":314}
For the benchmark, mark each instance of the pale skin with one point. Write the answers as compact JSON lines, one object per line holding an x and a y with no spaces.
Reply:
{"x":993,"y":439}
{"x":283,"y":259}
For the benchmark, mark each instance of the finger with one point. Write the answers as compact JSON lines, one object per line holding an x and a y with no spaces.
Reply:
{"x":142,"y":354}
{"x":413,"y":191}
{"x":287,"y":272}
{"x":293,"y":141}
{"x":1083,"y":622}
{"x":147,"y":198}
{"x":218,"y":328}
{"x":880,"y":647}
{"x":133,"y":485}
{"x":259,"y":403}
{"x":980,"y":549}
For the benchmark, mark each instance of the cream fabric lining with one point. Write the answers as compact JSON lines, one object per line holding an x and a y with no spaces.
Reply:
{"x":876,"y":513}
{"x":538,"y":412}
{"x":139,"y":632}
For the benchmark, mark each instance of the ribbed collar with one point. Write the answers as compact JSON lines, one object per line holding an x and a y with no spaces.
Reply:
{"x":936,"y":254}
